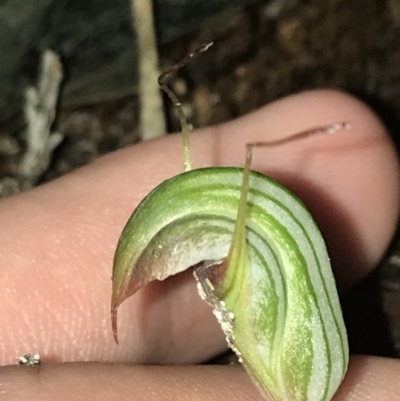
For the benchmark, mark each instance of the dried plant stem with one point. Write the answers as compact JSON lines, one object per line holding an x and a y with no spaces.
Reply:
{"x":152,"y":114}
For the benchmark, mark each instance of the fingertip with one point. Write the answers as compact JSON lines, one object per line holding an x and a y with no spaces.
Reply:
{"x":349,"y":180}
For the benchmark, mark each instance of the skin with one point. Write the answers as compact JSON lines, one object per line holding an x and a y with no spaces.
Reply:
{"x":57,"y":245}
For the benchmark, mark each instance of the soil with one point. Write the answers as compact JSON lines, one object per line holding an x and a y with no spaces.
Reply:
{"x":261,"y":52}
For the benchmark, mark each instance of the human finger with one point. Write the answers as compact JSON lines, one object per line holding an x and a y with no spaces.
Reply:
{"x":368,"y":378}
{"x":58,"y":240}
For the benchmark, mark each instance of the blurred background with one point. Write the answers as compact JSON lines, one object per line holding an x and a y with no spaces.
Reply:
{"x":99,"y":85}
